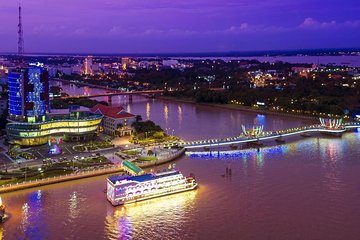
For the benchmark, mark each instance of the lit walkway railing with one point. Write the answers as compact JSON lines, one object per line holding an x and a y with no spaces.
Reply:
{"x":268,"y":135}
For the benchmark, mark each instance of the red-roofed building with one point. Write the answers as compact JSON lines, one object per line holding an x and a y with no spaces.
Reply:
{"x":116,"y":120}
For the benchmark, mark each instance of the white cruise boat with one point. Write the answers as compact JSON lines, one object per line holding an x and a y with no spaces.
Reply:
{"x":124,"y":189}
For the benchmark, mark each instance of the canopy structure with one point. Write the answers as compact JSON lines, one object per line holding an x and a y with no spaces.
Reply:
{"x":132,"y":168}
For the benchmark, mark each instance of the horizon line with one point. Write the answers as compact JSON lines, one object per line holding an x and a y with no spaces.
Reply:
{"x":217,"y":53}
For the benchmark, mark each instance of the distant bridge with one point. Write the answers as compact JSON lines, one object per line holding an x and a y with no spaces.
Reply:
{"x":111,"y":94}
{"x":270,"y":135}
{"x":111,"y":91}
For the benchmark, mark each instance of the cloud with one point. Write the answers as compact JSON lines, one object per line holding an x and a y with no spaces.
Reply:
{"x":310,"y":23}
{"x":117,"y":30}
{"x":82,"y":31}
{"x":250,"y":28}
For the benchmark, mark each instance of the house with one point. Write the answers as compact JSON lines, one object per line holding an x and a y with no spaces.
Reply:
{"x":116,"y":121}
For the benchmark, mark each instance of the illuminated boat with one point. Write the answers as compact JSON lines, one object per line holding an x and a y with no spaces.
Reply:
{"x":125,"y":189}
{"x":2,"y":210}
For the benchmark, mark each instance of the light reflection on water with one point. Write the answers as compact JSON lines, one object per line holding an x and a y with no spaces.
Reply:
{"x":73,"y":206}
{"x":138,"y":219}
{"x":148,"y":111}
{"x":32,"y":212}
{"x":166,"y":114}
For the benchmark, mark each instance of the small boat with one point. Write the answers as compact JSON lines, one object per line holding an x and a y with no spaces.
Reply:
{"x":279,"y":140}
{"x":255,"y":144}
{"x":206,"y":148}
{"x":2,"y":210}
{"x":233,"y":146}
{"x":305,"y":134}
{"x":332,"y":134}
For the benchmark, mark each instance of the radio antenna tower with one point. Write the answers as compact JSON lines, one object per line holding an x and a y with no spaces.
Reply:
{"x":21,"y":38}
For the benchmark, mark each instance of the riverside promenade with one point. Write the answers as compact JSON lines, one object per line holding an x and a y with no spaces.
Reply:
{"x":57,"y":179}
{"x":86,"y":174}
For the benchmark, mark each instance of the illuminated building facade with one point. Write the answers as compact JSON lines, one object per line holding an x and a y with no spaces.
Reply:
{"x":88,"y":66}
{"x":31,"y":122}
{"x":75,"y":126}
{"x":28,"y":94}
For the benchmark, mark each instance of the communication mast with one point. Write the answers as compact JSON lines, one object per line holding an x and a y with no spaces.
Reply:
{"x":21,"y":38}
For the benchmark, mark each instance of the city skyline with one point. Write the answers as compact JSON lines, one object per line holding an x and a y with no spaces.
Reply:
{"x":186,"y":26}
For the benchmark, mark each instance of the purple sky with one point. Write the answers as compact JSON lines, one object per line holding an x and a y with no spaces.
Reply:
{"x":143,"y":26}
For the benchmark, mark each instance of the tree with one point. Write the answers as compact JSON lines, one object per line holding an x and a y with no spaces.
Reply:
{"x":159,"y":135}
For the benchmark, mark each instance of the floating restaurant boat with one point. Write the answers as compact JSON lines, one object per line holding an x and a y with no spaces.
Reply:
{"x":125,"y":189}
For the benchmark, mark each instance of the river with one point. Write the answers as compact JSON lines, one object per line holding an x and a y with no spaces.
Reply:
{"x":306,"y":189}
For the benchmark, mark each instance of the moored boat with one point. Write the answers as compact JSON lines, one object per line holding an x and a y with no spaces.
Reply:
{"x":305,"y":134}
{"x":125,"y":189}
{"x":2,"y":210}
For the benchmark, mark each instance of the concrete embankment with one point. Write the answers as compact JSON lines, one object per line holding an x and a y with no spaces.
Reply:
{"x":87,"y":174}
{"x":68,"y":177}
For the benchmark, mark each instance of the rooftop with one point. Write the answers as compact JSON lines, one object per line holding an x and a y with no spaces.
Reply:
{"x":142,"y":178}
{"x":129,"y":165}
{"x":112,"y":112}
{"x":67,"y":111}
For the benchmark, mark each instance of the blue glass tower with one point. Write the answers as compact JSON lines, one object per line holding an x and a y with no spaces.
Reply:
{"x":16,"y":89}
{"x":28,"y":94}
{"x":36,"y":104}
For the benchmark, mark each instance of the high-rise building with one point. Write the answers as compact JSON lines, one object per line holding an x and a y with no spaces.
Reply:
{"x":125,"y":62}
{"x":31,"y":122}
{"x":28,"y":94}
{"x":88,"y":66}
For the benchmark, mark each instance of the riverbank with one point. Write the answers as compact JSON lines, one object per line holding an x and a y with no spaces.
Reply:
{"x":58,"y":179}
{"x":240,"y":108}
{"x":85,"y":174}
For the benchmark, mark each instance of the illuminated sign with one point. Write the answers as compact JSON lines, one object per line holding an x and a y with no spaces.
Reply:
{"x":36,"y":64}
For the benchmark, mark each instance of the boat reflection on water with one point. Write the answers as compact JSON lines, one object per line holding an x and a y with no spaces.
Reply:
{"x":134,"y":220}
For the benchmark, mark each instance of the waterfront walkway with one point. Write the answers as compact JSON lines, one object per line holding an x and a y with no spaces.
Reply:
{"x":57,"y":179}
{"x":118,"y":168}
{"x":270,"y":135}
